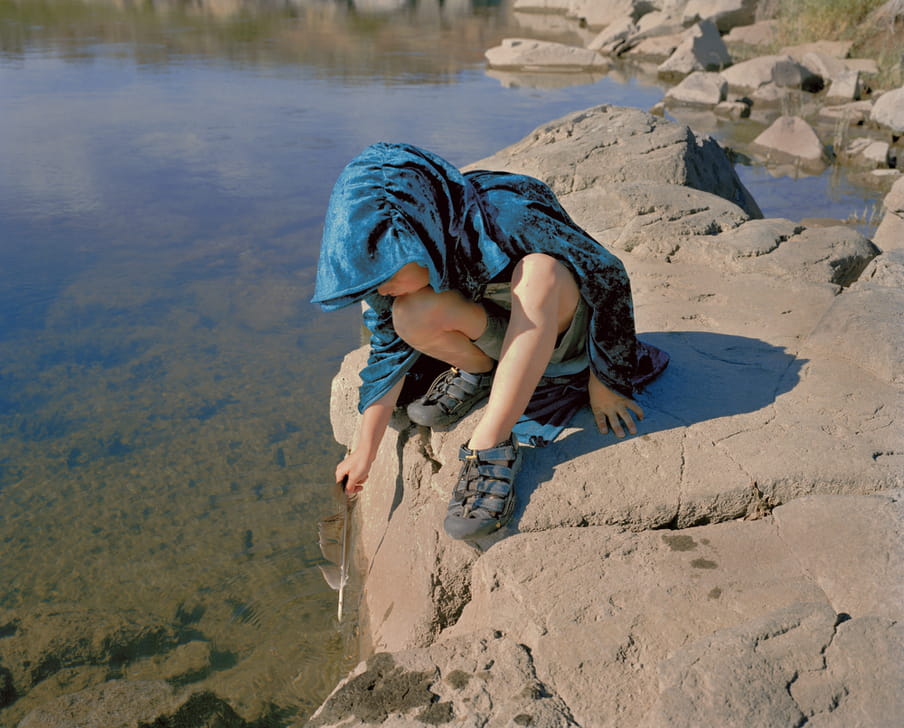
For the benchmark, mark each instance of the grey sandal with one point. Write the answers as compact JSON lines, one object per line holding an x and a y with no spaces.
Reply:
{"x":484,"y":497}
{"x":452,"y":395}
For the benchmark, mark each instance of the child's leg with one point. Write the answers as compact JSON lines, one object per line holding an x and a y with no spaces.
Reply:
{"x":444,"y":326}
{"x":544,"y":299}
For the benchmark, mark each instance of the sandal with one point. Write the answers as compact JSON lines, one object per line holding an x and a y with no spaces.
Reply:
{"x":484,"y":497}
{"x":452,"y":395}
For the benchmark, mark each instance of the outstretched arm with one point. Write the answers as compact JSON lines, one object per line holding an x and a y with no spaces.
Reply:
{"x":610,"y":408}
{"x":372,"y":427}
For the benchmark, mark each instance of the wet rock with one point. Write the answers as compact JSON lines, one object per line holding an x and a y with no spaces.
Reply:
{"x":533,"y":54}
{"x":725,"y":14}
{"x":45,"y":642}
{"x":756,"y":34}
{"x":793,"y":136}
{"x":7,"y":688}
{"x":701,"y":50}
{"x":187,"y":663}
{"x":134,"y":704}
{"x":750,"y":75}
{"x":699,"y":88}
{"x":888,"y":110}
{"x":738,"y":109}
{"x":114,"y":704}
{"x":790,"y":74}
{"x":890,"y":233}
{"x":483,"y":679}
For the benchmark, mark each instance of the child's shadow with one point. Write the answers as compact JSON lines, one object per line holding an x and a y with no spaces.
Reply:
{"x":709,"y":376}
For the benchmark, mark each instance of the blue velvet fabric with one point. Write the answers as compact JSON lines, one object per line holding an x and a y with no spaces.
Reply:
{"x":395,"y":204}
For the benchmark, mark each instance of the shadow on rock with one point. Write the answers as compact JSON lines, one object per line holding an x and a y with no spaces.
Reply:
{"x":710,"y":376}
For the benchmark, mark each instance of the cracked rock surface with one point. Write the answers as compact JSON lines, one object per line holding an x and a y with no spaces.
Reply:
{"x":739,"y":561}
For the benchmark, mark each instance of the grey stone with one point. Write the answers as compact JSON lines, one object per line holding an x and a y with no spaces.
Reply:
{"x":835,"y":255}
{"x":482,"y":679}
{"x":534,"y":54}
{"x":886,"y":270}
{"x":889,"y":110}
{"x":656,"y":49}
{"x":833,"y":48}
{"x":605,"y":146}
{"x":733,"y":109}
{"x":890,"y":233}
{"x":613,"y":36}
{"x":825,"y":65}
{"x":750,"y":75}
{"x":790,"y":74}
{"x":851,"y":113}
{"x":756,"y":34}
{"x":701,"y":50}
{"x":792,"y":136}
{"x":701,"y":88}
{"x":845,"y":88}
{"x":725,"y":14}
{"x":595,"y":13}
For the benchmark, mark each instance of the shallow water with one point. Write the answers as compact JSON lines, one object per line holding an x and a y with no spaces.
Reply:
{"x":164,"y":383}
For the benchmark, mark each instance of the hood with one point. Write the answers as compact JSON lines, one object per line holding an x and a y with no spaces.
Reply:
{"x":395,"y":204}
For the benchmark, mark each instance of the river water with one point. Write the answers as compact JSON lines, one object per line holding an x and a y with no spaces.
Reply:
{"x":165,"y":447}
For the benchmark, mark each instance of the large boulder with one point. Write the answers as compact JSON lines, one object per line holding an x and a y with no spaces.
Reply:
{"x":701,"y":50}
{"x":537,"y":54}
{"x":890,"y":233}
{"x":604,"y":147}
{"x":889,"y":110}
{"x":725,"y":14}
{"x":794,"y":137}
{"x":699,"y":89}
{"x":595,"y":13}
{"x":750,"y":75}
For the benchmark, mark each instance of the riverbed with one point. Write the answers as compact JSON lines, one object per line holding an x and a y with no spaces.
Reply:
{"x":165,"y":449}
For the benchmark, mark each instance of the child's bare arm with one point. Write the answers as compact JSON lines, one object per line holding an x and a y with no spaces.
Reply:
{"x":610,"y":408}
{"x":356,"y":464}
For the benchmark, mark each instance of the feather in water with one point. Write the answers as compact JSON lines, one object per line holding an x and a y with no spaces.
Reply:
{"x":334,"y":535}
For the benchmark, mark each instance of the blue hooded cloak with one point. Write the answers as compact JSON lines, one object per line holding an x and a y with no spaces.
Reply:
{"x":396,"y":204}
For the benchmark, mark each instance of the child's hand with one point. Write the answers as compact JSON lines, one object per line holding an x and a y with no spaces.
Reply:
{"x":355,"y":467}
{"x":610,"y":408}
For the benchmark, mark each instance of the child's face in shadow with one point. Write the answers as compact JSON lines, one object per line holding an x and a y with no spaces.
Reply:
{"x":409,"y":278}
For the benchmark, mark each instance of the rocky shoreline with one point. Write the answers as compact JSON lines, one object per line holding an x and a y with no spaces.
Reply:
{"x":740,"y":561}
{"x":737,"y":563}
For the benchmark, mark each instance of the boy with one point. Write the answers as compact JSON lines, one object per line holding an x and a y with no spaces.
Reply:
{"x":484,"y":271}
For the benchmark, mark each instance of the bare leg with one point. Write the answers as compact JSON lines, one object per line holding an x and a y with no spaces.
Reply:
{"x":544,"y":299}
{"x":443,"y":325}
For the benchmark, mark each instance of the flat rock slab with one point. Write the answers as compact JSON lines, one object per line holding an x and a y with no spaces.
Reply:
{"x":524,"y":53}
{"x":699,"y":627}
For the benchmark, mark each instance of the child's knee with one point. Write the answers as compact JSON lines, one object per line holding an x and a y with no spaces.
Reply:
{"x":416,"y":313}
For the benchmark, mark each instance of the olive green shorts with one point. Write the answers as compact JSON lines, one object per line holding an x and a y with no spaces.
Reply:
{"x":570,"y":354}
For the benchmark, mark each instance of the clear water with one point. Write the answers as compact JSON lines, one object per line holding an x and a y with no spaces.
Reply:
{"x":165,"y":449}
